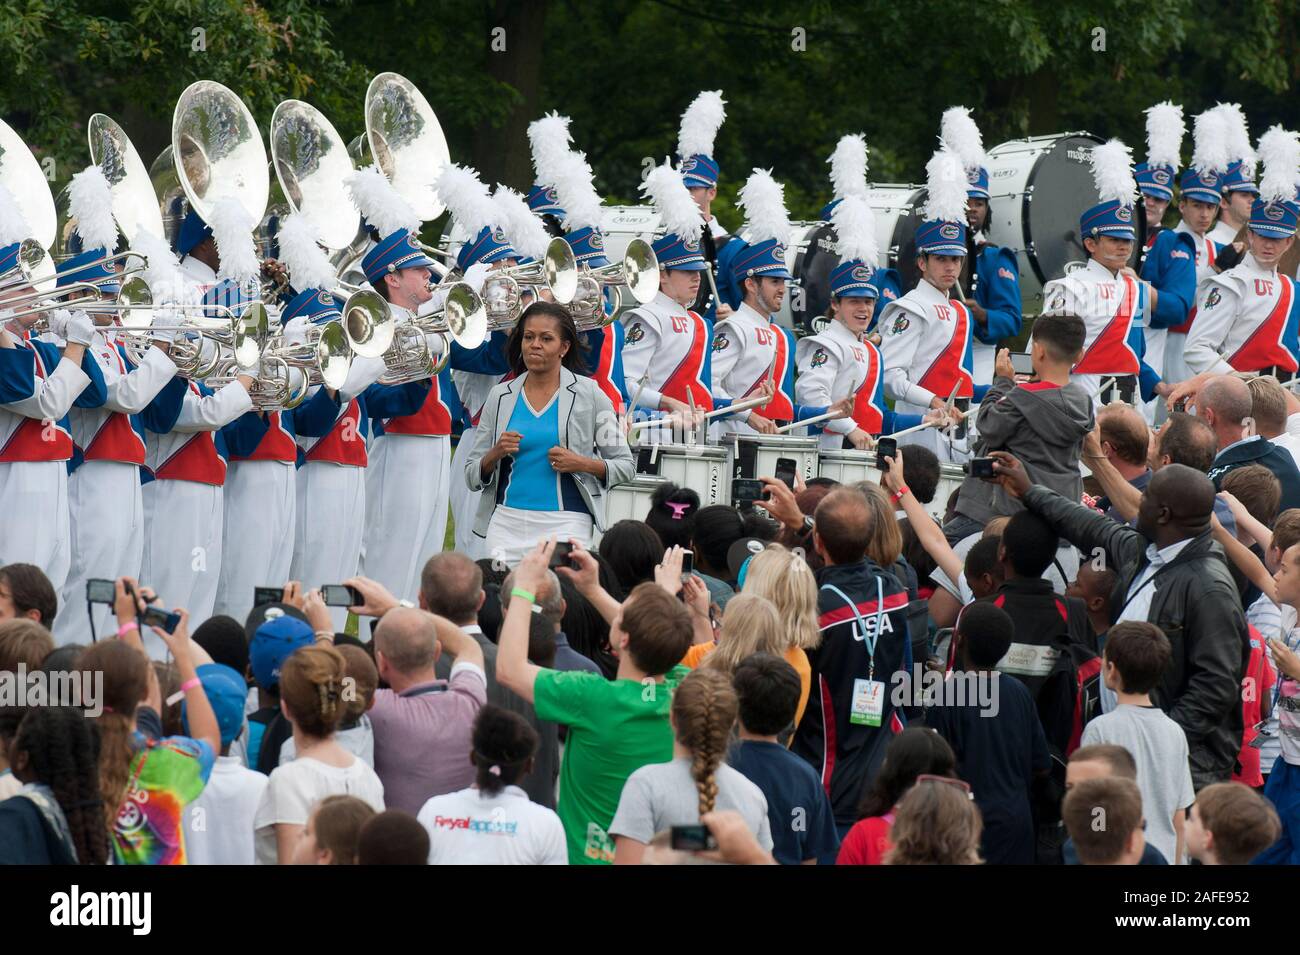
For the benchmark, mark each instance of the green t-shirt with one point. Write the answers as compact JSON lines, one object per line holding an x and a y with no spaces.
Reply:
{"x":615,"y":728}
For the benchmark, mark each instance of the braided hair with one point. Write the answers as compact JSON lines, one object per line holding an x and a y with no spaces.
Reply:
{"x":704,"y":711}
{"x":62,"y":750}
{"x":311,"y":687}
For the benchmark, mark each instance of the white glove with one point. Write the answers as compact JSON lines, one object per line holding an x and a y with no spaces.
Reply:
{"x":295,"y":333}
{"x":58,"y":322}
{"x":165,"y":322}
{"x":80,"y":329}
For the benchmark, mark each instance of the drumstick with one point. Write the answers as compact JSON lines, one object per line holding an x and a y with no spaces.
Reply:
{"x":631,"y":410}
{"x":738,"y":406}
{"x":807,"y":421}
{"x":931,"y":424}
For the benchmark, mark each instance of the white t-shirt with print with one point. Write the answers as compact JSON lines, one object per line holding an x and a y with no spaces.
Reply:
{"x":471,"y":828}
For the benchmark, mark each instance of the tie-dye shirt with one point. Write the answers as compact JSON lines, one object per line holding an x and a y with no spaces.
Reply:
{"x":166,"y":775}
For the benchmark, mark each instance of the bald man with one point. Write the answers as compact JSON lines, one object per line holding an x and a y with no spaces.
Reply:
{"x":1172,"y":574}
{"x":864,"y":643}
{"x":423,"y":724}
{"x":1225,"y":403}
{"x":1125,"y":443}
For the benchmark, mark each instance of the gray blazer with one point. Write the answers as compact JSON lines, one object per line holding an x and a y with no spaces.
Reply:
{"x":588,"y":426}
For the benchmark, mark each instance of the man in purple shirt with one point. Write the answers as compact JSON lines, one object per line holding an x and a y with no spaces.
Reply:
{"x":423,"y":725}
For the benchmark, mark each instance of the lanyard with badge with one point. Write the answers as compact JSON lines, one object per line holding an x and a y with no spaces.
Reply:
{"x":867,"y":707}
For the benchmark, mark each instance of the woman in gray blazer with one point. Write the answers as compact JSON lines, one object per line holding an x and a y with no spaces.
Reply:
{"x":548,"y":443}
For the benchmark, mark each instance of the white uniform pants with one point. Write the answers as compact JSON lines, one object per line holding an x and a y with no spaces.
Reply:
{"x":331,"y":518}
{"x":34,"y":517}
{"x":464,"y":502}
{"x":107,"y":533}
{"x":257,"y":539}
{"x":406,"y":509}
{"x":182,"y":550}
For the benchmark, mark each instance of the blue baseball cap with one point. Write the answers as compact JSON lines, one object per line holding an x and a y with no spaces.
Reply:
{"x":1238,"y":179}
{"x":227,"y":692}
{"x":1112,"y":218}
{"x":939,"y":237}
{"x":394,"y":252}
{"x":1274,"y":220}
{"x":977,"y":183}
{"x":489,"y":246}
{"x":1155,"y":181}
{"x":88,"y":266}
{"x":852,"y":279}
{"x":764,"y":259}
{"x":679,"y":254}
{"x":699,"y":171}
{"x":193,"y":230}
{"x":544,"y":201}
{"x":273,"y":643}
{"x":588,"y":244}
{"x":1201,"y":186}
{"x":317,"y":304}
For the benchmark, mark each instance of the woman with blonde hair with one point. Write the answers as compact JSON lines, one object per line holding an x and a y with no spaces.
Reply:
{"x":698,"y":780}
{"x":937,"y":823}
{"x":784,"y":578}
{"x":311,"y":698}
{"x":750,"y":624}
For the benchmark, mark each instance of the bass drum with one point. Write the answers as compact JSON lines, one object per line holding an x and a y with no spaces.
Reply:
{"x":1043,"y":234}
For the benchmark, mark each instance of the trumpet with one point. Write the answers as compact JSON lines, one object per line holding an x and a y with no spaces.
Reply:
{"x":638,"y":272}
{"x":35,"y":268}
{"x":324,"y":355}
{"x":374,"y":331}
{"x":503,"y":289}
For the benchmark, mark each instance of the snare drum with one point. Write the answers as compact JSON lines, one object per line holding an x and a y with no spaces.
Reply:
{"x":756,"y":455}
{"x":848,"y":466}
{"x":704,"y":468}
{"x":630,"y":501}
{"x":621,"y":224}
{"x":1045,"y":234}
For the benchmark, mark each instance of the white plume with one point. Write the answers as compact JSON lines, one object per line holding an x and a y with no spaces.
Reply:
{"x":308,"y":265}
{"x":1165,"y":129}
{"x":522,"y":227}
{"x":232,"y":228}
{"x":549,"y":139}
{"x":957,"y":131}
{"x":849,"y":166}
{"x":1210,"y":143}
{"x":576,"y":193}
{"x":90,"y":202}
{"x":162,"y":271}
{"x":460,"y":190}
{"x":13,"y":224}
{"x":700,"y":124}
{"x":1238,"y":135}
{"x":1279,"y":150}
{"x":945,"y":186}
{"x":678,"y":212}
{"x":1112,"y":171}
{"x":855,"y":230}
{"x":763,"y":199}
{"x":379,"y":202}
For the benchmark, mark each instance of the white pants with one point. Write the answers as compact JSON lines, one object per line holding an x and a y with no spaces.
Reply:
{"x":107,"y":533}
{"x":34,"y":517}
{"x":406,"y":509}
{"x":257,"y":536}
{"x":331,"y":518}
{"x":464,"y":502}
{"x":182,"y":550}
{"x":513,"y":532}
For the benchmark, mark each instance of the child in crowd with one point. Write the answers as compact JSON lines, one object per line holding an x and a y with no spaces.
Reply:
{"x":332,"y":830}
{"x":1134,"y":661}
{"x":785,"y":578}
{"x":1231,"y":824}
{"x":393,"y":837}
{"x":1103,"y":761}
{"x":1119,"y":802}
{"x":937,"y":823}
{"x":696,"y":780}
{"x":798,"y":809}
{"x":273,"y":641}
{"x":355,"y":733}
{"x":493,"y":822}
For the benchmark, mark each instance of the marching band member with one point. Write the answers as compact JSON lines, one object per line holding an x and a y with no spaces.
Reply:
{"x":848,"y":164}
{"x":410,"y":450}
{"x":926,"y":344}
{"x":548,"y":444}
{"x":106,"y":509}
{"x":1169,"y":260}
{"x":1246,"y":317}
{"x":752,"y":355}
{"x":666,"y":340}
{"x":1237,"y":189}
{"x":184,"y":481}
{"x":39,"y":384}
{"x":695,"y":138}
{"x":989,"y":272}
{"x":200,"y":257}
{"x":841,"y":360}
{"x":1107,"y":294}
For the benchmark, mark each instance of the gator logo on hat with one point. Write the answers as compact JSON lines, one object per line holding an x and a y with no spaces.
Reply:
{"x":499,"y":236}
{"x":597,"y":241}
{"x":861,"y":273}
{"x":820,"y":358}
{"x":549,"y":193}
{"x":691,"y":245}
{"x":778,"y":250}
{"x":949,"y":230}
{"x":688,"y":165}
{"x":1124,"y":213}
{"x":1208,"y":179}
{"x":326,"y":298}
{"x":1160,"y":176}
{"x":1213,"y":298}
{"x":1274,"y":211}
{"x":972,"y":176}
{"x":720,"y":342}
{"x":634,"y":334}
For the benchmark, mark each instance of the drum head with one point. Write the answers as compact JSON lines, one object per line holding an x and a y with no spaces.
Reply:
{"x":813,"y":264}
{"x":904,"y":240}
{"x":1061,"y":183}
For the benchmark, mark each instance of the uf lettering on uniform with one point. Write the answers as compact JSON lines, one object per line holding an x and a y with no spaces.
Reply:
{"x":680,"y":324}
{"x":944,"y":312}
{"x":857,"y":353}
{"x":1106,"y":291}
{"x":1263,"y":287}
{"x":763,"y":336}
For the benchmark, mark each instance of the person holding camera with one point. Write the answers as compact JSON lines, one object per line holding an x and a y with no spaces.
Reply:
{"x":1042,"y":422}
